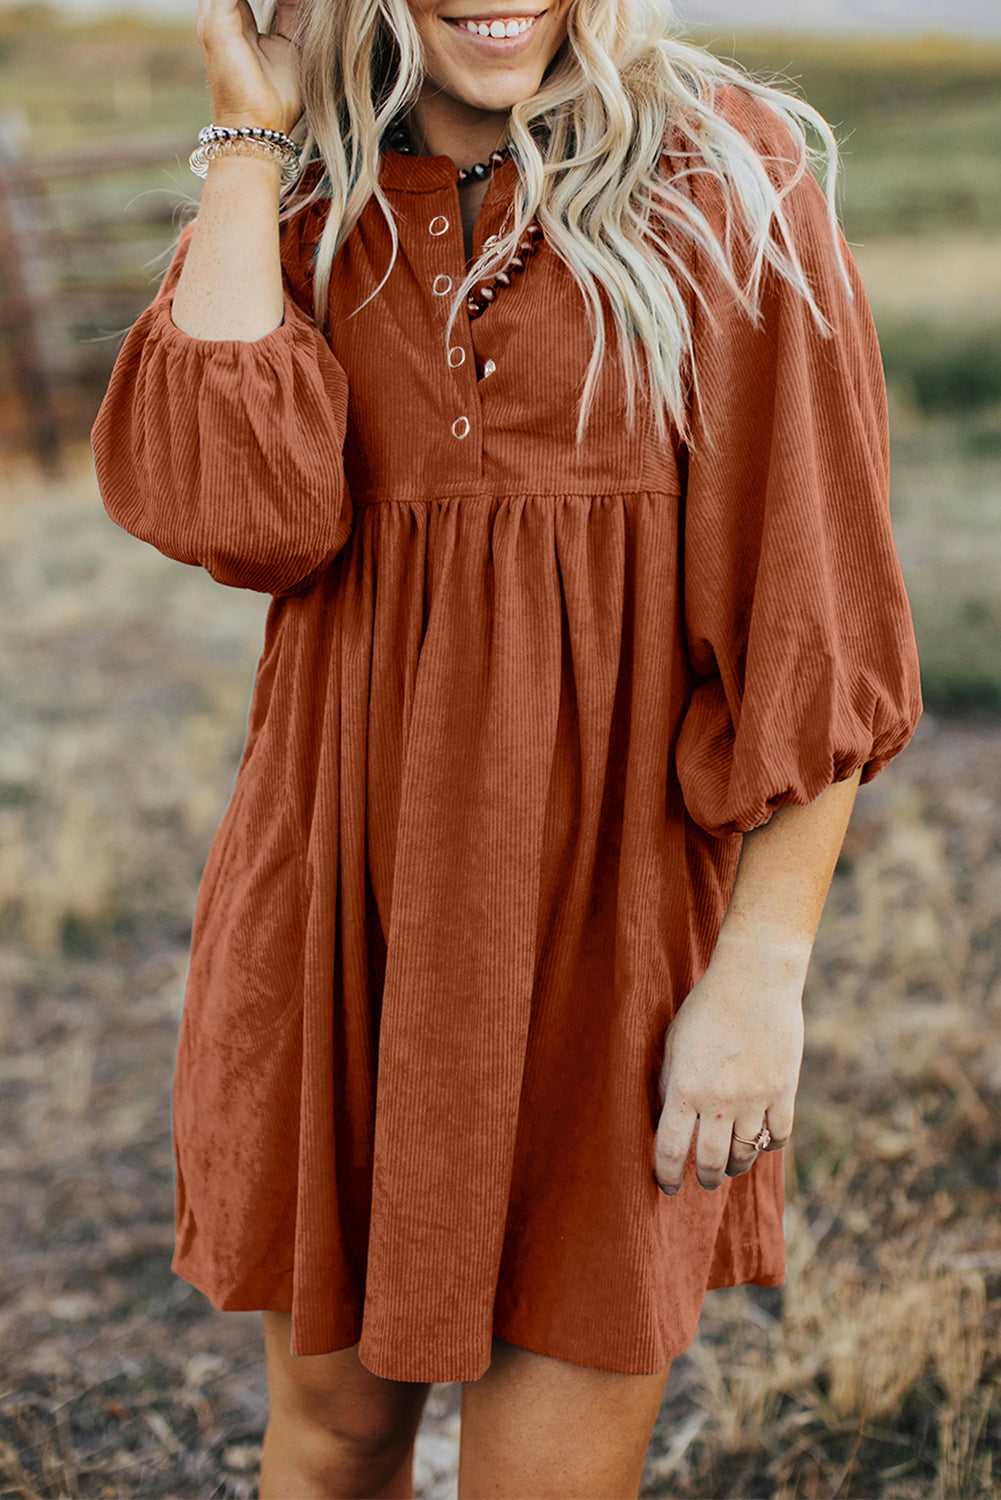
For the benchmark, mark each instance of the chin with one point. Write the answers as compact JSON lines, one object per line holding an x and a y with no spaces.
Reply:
{"x":496,"y":98}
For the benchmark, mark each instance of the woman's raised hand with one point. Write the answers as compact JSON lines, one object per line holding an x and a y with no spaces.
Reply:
{"x":251,"y":77}
{"x":732,"y":1053}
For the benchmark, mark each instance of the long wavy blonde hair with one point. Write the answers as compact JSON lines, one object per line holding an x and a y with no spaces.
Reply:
{"x":588,"y":146}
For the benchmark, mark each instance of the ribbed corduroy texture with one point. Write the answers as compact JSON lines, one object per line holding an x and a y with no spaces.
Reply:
{"x":514,"y":707}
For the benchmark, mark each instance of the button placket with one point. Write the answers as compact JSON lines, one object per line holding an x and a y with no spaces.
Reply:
{"x":441,"y":285}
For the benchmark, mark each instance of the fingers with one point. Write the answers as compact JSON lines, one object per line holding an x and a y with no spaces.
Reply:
{"x":286,"y":16}
{"x":216,"y":16}
{"x":779,"y":1124}
{"x":747,"y":1125}
{"x":671,"y":1146}
{"x":715,"y":1148}
{"x":286,"y":20}
{"x":717,"y":1153}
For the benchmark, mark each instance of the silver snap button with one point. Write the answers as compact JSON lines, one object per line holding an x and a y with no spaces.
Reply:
{"x":456,"y":349}
{"x":439,"y":219}
{"x":460,"y":427}
{"x":441,"y":285}
{"x":489,"y":367}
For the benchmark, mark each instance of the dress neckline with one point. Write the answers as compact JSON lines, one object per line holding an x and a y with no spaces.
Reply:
{"x":410,"y":173}
{"x":405,"y":173}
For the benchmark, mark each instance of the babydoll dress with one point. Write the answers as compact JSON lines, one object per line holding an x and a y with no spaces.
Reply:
{"x":516,"y":705}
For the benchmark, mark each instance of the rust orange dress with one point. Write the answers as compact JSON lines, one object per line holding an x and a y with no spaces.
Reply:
{"x":515,"y":707}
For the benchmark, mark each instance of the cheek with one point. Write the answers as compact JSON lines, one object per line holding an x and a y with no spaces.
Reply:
{"x":422,"y":13}
{"x":559,"y":32}
{"x":426,"y":18}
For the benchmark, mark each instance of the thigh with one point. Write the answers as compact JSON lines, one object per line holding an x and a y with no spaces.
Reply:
{"x":336,"y":1392}
{"x":537,"y":1426}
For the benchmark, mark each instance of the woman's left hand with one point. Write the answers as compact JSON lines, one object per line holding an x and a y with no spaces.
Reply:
{"x":732,"y":1053}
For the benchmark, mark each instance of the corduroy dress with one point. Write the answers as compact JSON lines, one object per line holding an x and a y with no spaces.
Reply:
{"x":515,"y":707}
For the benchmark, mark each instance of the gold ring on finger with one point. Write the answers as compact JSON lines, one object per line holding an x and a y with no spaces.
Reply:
{"x":760,"y":1141}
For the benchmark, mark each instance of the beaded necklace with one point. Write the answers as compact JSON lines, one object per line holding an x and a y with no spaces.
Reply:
{"x":399,"y":139}
{"x":484,"y":292}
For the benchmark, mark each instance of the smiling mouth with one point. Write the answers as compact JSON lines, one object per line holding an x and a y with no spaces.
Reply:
{"x":499,"y":29}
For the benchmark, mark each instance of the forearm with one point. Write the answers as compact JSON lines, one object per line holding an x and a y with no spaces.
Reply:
{"x":230,"y":286}
{"x":785,"y":872}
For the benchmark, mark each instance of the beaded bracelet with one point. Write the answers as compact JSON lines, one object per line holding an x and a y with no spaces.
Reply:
{"x":215,"y":140}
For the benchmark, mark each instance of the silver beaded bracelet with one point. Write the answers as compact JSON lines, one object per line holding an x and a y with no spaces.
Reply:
{"x":242,"y":140}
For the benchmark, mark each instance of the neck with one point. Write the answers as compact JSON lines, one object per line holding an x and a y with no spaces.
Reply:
{"x":440,"y":126}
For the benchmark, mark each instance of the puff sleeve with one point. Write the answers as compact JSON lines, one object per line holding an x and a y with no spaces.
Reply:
{"x":225,"y":453}
{"x":797,"y":625}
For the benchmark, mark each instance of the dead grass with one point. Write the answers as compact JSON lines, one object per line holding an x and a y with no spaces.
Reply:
{"x":875,"y":1371}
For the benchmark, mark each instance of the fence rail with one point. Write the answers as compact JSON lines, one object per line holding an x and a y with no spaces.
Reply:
{"x":78,"y":233}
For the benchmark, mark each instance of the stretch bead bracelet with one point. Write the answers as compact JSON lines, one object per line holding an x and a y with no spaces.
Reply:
{"x":216,"y":140}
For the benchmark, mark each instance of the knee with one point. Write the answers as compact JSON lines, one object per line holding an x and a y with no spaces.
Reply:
{"x":365,"y":1436}
{"x":358,"y":1458}
{"x":330,"y":1416}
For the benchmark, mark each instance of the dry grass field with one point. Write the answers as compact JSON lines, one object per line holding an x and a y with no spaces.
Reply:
{"x":874,"y":1373}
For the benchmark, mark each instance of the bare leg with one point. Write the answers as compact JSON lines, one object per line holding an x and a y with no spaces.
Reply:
{"x":555,"y":1431}
{"x":335,"y":1431}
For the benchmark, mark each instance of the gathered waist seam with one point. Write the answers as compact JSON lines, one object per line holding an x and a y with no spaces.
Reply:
{"x":360,"y":502}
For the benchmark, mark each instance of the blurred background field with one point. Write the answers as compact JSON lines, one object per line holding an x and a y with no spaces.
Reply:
{"x":124,"y":685}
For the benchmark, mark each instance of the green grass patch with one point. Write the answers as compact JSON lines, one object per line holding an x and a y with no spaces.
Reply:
{"x":944,"y":367}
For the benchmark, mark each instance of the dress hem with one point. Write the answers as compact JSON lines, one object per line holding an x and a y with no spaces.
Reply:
{"x":661,"y":1350}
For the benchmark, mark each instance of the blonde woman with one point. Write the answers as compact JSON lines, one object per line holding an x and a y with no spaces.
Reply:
{"x":567,"y":477}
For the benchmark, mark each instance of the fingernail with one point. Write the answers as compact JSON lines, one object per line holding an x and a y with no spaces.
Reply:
{"x":670,"y":1191}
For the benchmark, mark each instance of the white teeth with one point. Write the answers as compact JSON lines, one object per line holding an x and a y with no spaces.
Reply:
{"x":499,"y":28}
